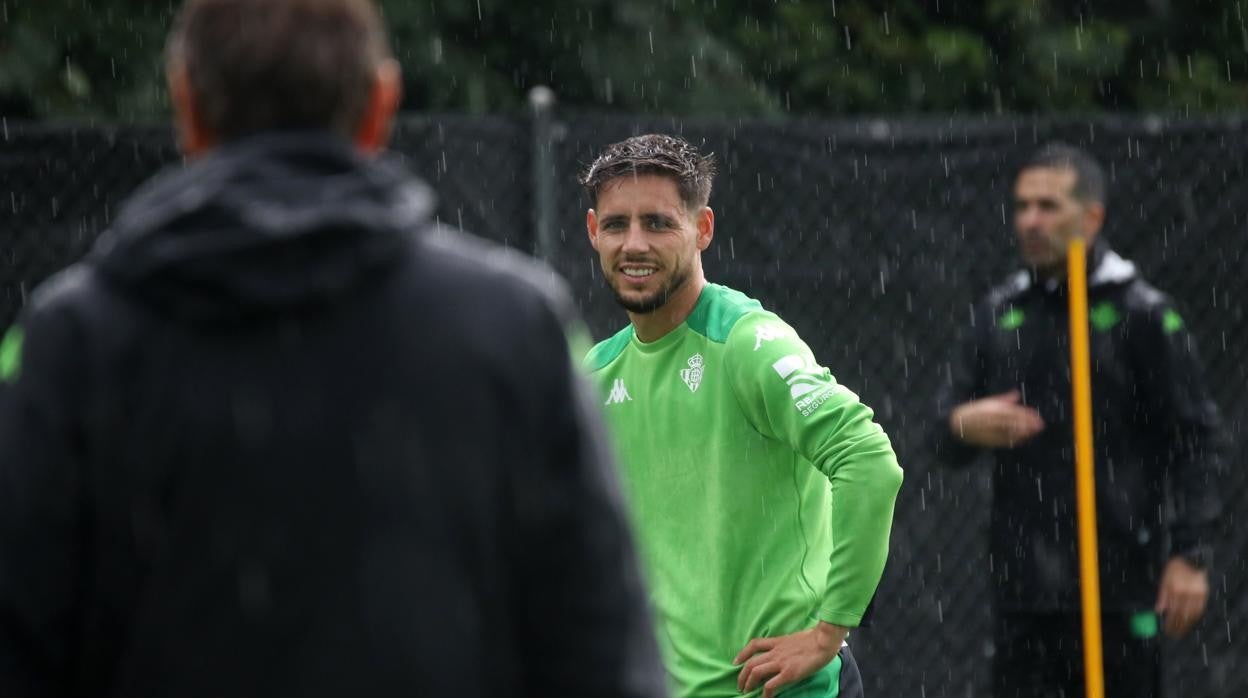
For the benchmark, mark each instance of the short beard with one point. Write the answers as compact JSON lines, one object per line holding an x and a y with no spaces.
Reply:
{"x":1052,"y":270}
{"x":648,"y":305}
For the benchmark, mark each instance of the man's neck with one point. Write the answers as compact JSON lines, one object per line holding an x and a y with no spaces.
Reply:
{"x":1043,"y":275}
{"x":655,"y":325}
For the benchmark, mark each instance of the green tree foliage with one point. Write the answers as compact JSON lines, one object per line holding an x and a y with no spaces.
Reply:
{"x":79,"y":58}
{"x":85,"y":58}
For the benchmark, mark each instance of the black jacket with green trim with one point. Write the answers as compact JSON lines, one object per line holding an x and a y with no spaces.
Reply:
{"x":1156,"y":436}
{"x":278,"y":436}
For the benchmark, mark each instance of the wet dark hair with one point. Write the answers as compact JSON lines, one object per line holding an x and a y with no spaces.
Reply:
{"x":654,"y":154}
{"x":257,"y":66}
{"x":1089,"y":177}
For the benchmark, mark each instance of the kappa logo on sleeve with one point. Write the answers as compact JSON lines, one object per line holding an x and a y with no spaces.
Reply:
{"x":769,"y":333}
{"x":808,"y":386}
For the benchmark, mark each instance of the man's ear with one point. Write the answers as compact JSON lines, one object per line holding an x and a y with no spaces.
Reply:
{"x":373,"y":132}
{"x":591,"y":227}
{"x":194,"y":138}
{"x":705,"y":220}
{"x":1093,"y":219}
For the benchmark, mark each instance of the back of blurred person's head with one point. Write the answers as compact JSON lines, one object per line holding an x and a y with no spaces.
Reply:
{"x":242,"y":67}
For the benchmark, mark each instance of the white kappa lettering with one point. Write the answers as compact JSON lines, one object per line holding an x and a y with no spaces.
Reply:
{"x":618,"y":393}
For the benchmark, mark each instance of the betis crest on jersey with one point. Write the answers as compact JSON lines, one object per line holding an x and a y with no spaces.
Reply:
{"x":692,"y":376}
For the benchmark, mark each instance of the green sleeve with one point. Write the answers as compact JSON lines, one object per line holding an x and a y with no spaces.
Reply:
{"x":788,"y":396}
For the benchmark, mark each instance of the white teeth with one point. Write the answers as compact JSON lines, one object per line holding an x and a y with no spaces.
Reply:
{"x":638,"y":272}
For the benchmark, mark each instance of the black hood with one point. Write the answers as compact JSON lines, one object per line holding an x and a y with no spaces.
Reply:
{"x":262,"y":225}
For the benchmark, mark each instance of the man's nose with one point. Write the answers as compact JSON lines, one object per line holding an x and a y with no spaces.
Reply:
{"x":1027,"y":218}
{"x":635,"y":239}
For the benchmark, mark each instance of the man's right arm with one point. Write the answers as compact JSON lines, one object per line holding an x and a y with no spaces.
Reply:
{"x":968,"y":419}
{"x":962,"y":383}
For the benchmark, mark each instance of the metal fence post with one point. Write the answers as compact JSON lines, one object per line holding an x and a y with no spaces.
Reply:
{"x":542,"y":103}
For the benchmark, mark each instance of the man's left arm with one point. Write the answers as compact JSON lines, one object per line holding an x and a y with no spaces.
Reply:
{"x":1180,"y":401}
{"x":787,"y":395}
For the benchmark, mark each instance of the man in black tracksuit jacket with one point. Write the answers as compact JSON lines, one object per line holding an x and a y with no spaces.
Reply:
{"x":1155,"y":433}
{"x":278,"y":436}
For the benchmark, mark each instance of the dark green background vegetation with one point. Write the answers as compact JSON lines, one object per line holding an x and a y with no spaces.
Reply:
{"x":101,"y":58}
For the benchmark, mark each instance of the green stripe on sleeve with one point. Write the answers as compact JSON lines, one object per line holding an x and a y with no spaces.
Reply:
{"x":11,"y":354}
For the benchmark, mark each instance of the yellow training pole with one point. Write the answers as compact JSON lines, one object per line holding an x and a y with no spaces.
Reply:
{"x":1085,"y":483}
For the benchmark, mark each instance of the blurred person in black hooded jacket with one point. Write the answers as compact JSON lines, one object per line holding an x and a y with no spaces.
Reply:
{"x":1156,"y":437}
{"x":278,"y":436}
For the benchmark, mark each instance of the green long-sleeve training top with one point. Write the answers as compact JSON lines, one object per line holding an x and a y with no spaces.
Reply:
{"x":761,"y":490}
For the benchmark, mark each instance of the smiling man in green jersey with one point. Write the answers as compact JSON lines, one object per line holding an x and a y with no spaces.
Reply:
{"x":761,"y":490}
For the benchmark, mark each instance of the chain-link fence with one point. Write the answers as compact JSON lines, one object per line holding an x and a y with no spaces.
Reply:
{"x":871,"y":237}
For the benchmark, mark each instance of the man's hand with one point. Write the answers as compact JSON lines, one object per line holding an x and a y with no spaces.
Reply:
{"x":787,"y":659}
{"x":1182,"y":597}
{"x":996,"y":421}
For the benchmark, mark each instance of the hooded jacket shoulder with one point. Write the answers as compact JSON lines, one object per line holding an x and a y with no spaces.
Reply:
{"x":1014,"y":286}
{"x":469,"y":254}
